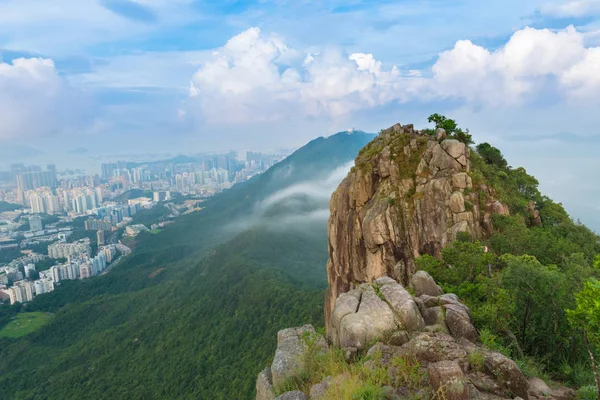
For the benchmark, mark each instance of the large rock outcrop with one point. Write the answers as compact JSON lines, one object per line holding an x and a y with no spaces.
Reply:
{"x":408,"y":194}
{"x":383,"y":321}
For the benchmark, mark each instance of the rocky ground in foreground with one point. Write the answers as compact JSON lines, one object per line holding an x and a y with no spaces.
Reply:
{"x":389,"y":344}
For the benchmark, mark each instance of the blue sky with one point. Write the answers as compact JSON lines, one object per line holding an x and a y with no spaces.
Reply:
{"x":157,"y":77}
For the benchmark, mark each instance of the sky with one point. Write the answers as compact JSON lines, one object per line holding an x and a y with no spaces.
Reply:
{"x":83,"y":81}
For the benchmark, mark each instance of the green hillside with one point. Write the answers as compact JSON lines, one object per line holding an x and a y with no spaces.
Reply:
{"x":193,"y":312}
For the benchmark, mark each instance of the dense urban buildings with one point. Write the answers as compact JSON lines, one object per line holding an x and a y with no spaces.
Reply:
{"x":65,"y":250}
{"x":47,"y":206}
{"x":79,"y":265}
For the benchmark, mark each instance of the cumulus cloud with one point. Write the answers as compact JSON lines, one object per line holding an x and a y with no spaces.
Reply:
{"x":259,"y":78}
{"x":532,"y":61}
{"x":34,"y":99}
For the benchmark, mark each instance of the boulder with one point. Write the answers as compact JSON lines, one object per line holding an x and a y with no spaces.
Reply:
{"x":403,"y":306}
{"x":499,"y":208}
{"x":475,"y":394}
{"x":434,"y":301}
{"x":564,"y":393}
{"x":461,"y":181}
{"x":507,"y":374}
{"x":454,"y":148}
{"x":463,"y":216}
{"x":538,"y":388}
{"x":448,"y":381}
{"x":373,"y":321}
{"x":534,"y":215}
{"x":295,"y":395}
{"x":459,"y":322}
{"x":457,"y":203}
{"x":423,"y":283}
{"x":288,"y":356}
{"x":346,"y":303}
{"x":435,"y":316}
{"x":398,"y":338}
{"x":319,"y":390}
{"x":350,"y":354}
{"x":264,"y":385}
{"x":484,"y":383}
{"x":440,"y":134}
{"x":442,"y":162}
{"x":434,"y":347}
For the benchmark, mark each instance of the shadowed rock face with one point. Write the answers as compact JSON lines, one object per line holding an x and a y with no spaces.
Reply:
{"x":408,"y":195}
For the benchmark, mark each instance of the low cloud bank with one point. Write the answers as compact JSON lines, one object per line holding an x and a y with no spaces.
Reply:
{"x":300,"y":206}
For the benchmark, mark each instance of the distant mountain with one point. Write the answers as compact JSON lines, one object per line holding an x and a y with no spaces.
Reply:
{"x":180,"y":159}
{"x":192,"y":313}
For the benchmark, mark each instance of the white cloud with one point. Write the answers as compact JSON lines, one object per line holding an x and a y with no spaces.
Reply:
{"x":259,"y":78}
{"x":34,"y":99}
{"x":254,"y":77}
{"x":531,"y":62}
{"x":570,"y":9}
{"x":583,"y":78}
{"x":295,"y":207}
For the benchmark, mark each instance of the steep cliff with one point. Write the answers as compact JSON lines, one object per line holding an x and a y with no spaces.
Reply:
{"x":409,"y":194}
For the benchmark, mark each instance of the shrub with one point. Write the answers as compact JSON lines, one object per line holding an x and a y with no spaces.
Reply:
{"x":410,"y":374}
{"x":588,"y":392}
{"x":476,"y":360}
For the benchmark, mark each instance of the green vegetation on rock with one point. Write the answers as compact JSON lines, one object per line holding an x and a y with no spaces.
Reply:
{"x":519,"y":290}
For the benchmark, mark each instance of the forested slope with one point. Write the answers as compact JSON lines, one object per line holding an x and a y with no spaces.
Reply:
{"x":193,"y":311}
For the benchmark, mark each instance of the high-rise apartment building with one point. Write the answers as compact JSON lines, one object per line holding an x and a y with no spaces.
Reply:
{"x":35,"y":223}
{"x":100,"y":237}
{"x":52,"y":204}
{"x":65,"y":250}
{"x":34,"y":179}
{"x":96,"y":224}
{"x":38,"y":205}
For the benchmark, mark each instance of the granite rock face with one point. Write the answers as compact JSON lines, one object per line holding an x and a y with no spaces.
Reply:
{"x":450,"y":360}
{"x":288,"y":356}
{"x":408,"y":194}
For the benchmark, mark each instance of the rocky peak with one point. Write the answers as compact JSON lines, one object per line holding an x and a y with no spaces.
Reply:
{"x":409,"y":194}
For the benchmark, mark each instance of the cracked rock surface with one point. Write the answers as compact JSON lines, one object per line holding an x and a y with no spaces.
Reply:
{"x":373,"y":320}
